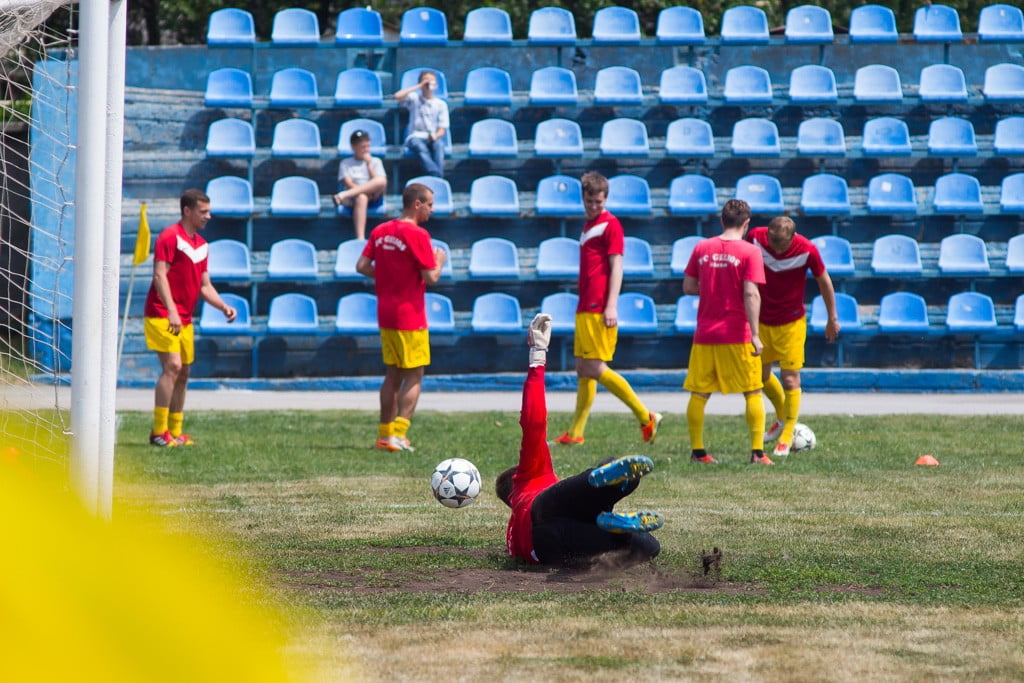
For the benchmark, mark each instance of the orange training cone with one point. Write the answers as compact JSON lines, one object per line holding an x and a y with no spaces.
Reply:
{"x":927,"y":459}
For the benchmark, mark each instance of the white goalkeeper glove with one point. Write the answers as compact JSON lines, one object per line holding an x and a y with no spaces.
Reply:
{"x":539,"y":337}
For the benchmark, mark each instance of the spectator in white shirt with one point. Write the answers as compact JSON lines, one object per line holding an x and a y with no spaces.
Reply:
{"x":361,"y":182}
{"x":428,"y":121}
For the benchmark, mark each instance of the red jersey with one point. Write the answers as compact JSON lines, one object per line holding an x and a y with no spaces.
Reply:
{"x":601,"y":238}
{"x":400,"y":250}
{"x":721,"y":267}
{"x":782,"y":294}
{"x":534,"y":473}
{"x":187,"y":256}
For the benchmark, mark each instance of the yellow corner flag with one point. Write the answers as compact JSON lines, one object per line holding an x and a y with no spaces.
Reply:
{"x":142,"y":239}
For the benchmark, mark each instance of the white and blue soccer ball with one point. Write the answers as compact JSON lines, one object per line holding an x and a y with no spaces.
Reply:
{"x":803,"y":438}
{"x":455,"y":482}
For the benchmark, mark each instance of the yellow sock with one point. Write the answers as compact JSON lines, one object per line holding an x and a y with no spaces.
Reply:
{"x":160,"y":419}
{"x":617,"y":384}
{"x":400,"y":426}
{"x":174,"y":422}
{"x":586,"y":390}
{"x":776,"y":394}
{"x":695,"y":420}
{"x":384,"y":429}
{"x":755,"y":421}
{"x":791,"y":413}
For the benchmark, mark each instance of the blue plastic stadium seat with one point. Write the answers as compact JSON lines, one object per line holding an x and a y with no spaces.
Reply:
{"x":846,"y":309}
{"x":937,"y":24}
{"x":624,"y":138}
{"x":494,"y":257}
{"x":558,"y":138}
{"x":230,"y":26}
{"x":496,"y":313}
{"x":359,"y":27}
{"x":295,"y":196}
{"x":896,"y":255}
{"x":682,"y":248}
{"x":692,"y":195}
{"x":686,"y":314}
{"x":440,"y":313}
{"x":293,"y":87}
{"x":680,"y":26}
{"x":348,"y":254}
{"x":825,"y":194}
{"x":747,"y":85}
{"x":637,"y":259}
{"x":952,"y":136}
{"x":553,"y":86}
{"x":493,"y":138}
{"x":886,"y":136}
{"x":755,"y":138}
{"x":356,"y":314}
{"x":744,"y":24}
{"x":1009,"y":137}
{"x":877,"y":83}
{"x":813,"y":84}
{"x":998,"y":23}
{"x":295,"y":26}
{"x":637,"y":314}
{"x":488,"y":86}
{"x":891,"y":193}
{"x":616,"y":26}
{"x":228,"y":87}
{"x":551,"y":26}
{"x":558,"y":257}
{"x":559,"y":195}
{"x":618,"y":85}
{"x":442,"y":189}
{"x":943,"y":83}
{"x":821,"y":137}
{"x":296,"y":138}
{"x":683,"y":85}
{"x":293,"y":314}
{"x":1015,"y":254}
{"x":561,"y":306}
{"x":378,"y":140}
{"x":446,"y":270}
{"x":488,"y":26}
{"x":762,"y":192}
{"x":412,"y":76}
{"x":494,"y":195}
{"x":230,"y":138}
{"x":229,"y":260}
{"x":629,"y":195}
{"x":964,"y":255}
{"x":690,"y":138}
{"x":1018,"y":314}
{"x":212,"y":321}
{"x":903,"y":313}
{"x":230,"y":197}
{"x":292,"y":259}
{"x":358,"y":88}
{"x":971,"y":312}
{"x":837,"y":254}
{"x":1011,"y":194}
{"x":423,"y":26}
{"x":873,"y":24}
{"x":1004,"y":83}
{"x":809,"y":25}
{"x":958,"y":193}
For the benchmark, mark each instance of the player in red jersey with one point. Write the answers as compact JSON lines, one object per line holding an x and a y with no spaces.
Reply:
{"x":726,"y":271}
{"x":402,"y":261}
{"x":179,"y":279}
{"x":560,"y":522}
{"x":787,"y":258}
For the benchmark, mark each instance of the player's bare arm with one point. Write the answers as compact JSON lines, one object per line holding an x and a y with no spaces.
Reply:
{"x":828,"y":296}
{"x":212,"y":296}
{"x":752,"y":307}
{"x":691,"y":285}
{"x":163,"y":289}
{"x":611,"y":309}
{"x":364,"y":266}
{"x":432,"y":275}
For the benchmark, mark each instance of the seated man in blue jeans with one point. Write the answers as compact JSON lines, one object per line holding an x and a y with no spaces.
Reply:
{"x":428,"y":122}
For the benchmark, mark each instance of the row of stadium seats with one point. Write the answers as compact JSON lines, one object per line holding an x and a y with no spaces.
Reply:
{"x":822,"y":194}
{"x":806,"y":24}
{"x":810,"y":84}
{"x":885,"y":136}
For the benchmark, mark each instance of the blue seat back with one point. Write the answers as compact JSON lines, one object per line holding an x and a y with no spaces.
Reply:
{"x":494,"y":257}
{"x":825,"y":194}
{"x":952,"y":135}
{"x":412,"y":76}
{"x":686,"y":314}
{"x":356,"y":314}
{"x":553,"y":85}
{"x":359,"y":27}
{"x":690,"y":138}
{"x":212,"y":321}
{"x":230,"y":138}
{"x":616,"y":25}
{"x":1011,"y":195}
{"x":624,"y":137}
{"x":886,"y":136}
{"x":809,"y":24}
{"x":488,"y":26}
{"x":1001,"y":23}
{"x":440,"y":313}
{"x":958,"y":193}
{"x":561,"y":306}
{"x":496,"y":313}
{"x":846,"y":310}
{"x":748,"y":85}
{"x":971,"y":312}
{"x":228,"y":87}
{"x":358,"y":87}
{"x":493,"y":138}
{"x":891,"y":193}
{"x":230,"y":26}
{"x":295,"y":196}
{"x":877,"y":83}
{"x":446,"y":270}
{"x":1018,"y":314}
{"x":551,"y":26}
{"x":762,"y":192}
{"x":629,"y":195}
{"x":378,"y":140}
{"x":292,"y":259}
{"x":942,"y":83}
{"x":903,"y":313}
{"x":228,"y":260}
{"x":230,"y":197}
{"x":813,"y":84}
{"x":423,"y":26}
{"x":295,"y":26}
{"x":821,"y":137}
{"x":692,"y":195}
{"x":296,"y":138}
{"x":680,"y":26}
{"x":618,"y":85}
{"x":293,"y":87}
{"x":1009,"y":137}
{"x":1004,"y":82}
{"x":559,"y":195}
{"x":494,"y":195}
{"x":293,"y":313}
{"x":443,"y":204}
{"x":896,"y":255}
{"x":637,"y":258}
{"x":937,"y":23}
{"x":558,"y":138}
{"x":873,"y":24}
{"x":744,"y":24}
{"x":637,"y":314}
{"x":683,"y":85}
{"x":345,"y":260}
{"x":558,"y":257}
{"x":755,"y":137}
{"x":682,"y":248}
{"x":963,"y":254}
{"x":836,"y":253}
{"x":488,"y":86}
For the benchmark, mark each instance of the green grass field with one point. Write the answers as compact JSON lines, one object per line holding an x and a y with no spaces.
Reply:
{"x":842,"y":563}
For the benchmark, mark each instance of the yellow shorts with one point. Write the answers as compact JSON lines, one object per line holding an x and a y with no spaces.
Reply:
{"x":159,"y":338}
{"x":593,"y":339}
{"x":405,"y":348}
{"x":784,"y":344}
{"x":723,"y":368}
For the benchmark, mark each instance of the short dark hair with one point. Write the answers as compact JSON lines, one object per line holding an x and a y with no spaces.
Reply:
{"x":191,"y":197}
{"x":735,"y":213}
{"x":414,"y":192}
{"x":783,"y":222}
{"x":503,"y":485}
{"x":594,"y":183}
{"x":425,"y":73}
{"x":359,"y":136}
